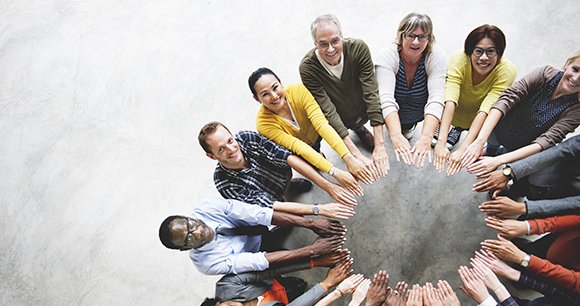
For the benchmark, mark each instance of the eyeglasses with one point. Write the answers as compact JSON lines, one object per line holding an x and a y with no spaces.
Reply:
{"x":491,"y":52}
{"x":412,"y":37}
{"x":192,"y":226}
{"x":334,"y":43}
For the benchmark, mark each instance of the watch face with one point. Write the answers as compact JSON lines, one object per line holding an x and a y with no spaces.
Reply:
{"x":525,"y":263}
{"x":315,"y":209}
{"x":506,"y":172}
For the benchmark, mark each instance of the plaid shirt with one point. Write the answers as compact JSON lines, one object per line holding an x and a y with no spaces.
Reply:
{"x":559,"y":295}
{"x":265,"y":180}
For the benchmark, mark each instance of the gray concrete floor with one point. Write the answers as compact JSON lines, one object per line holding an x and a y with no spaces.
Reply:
{"x":100,"y":105}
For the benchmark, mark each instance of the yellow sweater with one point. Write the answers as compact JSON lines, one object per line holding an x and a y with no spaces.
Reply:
{"x":469,"y":99}
{"x":311,"y":121}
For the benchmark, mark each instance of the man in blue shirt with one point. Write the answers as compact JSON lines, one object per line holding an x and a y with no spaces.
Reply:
{"x":214,"y":253}
{"x":256,"y":170}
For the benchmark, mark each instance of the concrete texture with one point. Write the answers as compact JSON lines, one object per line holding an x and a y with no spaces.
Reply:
{"x":100,"y":105}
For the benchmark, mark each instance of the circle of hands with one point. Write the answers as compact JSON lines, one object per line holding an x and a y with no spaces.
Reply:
{"x":485,"y":266}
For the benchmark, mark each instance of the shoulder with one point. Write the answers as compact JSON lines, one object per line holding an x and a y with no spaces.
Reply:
{"x":437,"y":55}
{"x":354,"y":43}
{"x":245,"y":135}
{"x":506,"y":68}
{"x":308,"y":61}
{"x":388,"y":56}
{"x":210,"y":207}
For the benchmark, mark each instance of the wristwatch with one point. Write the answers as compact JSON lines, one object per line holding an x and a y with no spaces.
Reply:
{"x":331,"y":171}
{"x":526,"y":261}
{"x":315,"y":209}
{"x":507,"y":171}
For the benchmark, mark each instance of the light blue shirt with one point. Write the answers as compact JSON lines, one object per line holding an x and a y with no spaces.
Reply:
{"x":230,"y":254}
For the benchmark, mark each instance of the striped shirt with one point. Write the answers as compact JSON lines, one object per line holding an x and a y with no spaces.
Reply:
{"x":411,"y":100}
{"x":533,"y":116}
{"x":264,"y":181}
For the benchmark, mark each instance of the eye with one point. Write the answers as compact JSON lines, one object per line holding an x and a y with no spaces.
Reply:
{"x":230,"y":140}
{"x":220,"y":150}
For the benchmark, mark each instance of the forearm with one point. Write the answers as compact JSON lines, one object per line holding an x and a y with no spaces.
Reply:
{"x":446,"y":119}
{"x":501,"y":292}
{"x":393,"y":124}
{"x":474,"y":130}
{"x":308,"y":172}
{"x":293,"y":208}
{"x":550,"y":207}
{"x":287,"y":256}
{"x":519,"y":153}
{"x":429,"y":125}
{"x":351,"y":146}
{"x":378,"y":135}
{"x":489,"y":124}
{"x":284,"y":218}
{"x":327,"y":300}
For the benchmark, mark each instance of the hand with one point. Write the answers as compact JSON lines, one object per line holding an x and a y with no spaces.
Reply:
{"x":338,"y":274}
{"x":369,"y":165}
{"x":415,"y":296}
{"x":341,"y":195}
{"x":472,"y":285}
{"x":455,"y":162}
{"x":348,"y":181}
{"x":441,"y":154}
{"x":402,"y":147}
{"x":422,"y":150}
{"x":431,"y":296}
{"x":472,"y":153}
{"x":503,"y":207}
{"x":483,"y":166}
{"x":350,"y":284}
{"x":398,"y":296}
{"x":494,"y":181}
{"x":485,"y":274}
{"x":337,"y":211}
{"x":326,"y":227}
{"x":508,"y":227}
{"x":497,"y":265}
{"x":360,"y":293}
{"x":504,"y":248}
{"x":331,"y":259}
{"x":377,"y":293}
{"x":448,"y":296}
{"x":323,"y":246}
{"x":381,"y":160}
{"x":358,"y":169}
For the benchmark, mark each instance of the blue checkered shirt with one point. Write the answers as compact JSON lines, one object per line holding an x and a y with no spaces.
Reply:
{"x":265,"y":180}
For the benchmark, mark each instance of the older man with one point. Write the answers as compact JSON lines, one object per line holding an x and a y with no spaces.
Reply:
{"x":256,"y":170}
{"x":223,"y":236}
{"x":340,"y":75}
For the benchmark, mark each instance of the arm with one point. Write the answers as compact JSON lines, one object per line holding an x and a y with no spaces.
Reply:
{"x":440,"y":151}
{"x":335,"y":191}
{"x":555,"y":224}
{"x":321,"y":246}
{"x":320,"y":226}
{"x":487,"y":164}
{"x":232,"y":189}
{"x":567,"y":278}
{"x":474,"y":150}
{"x":550,"y":207}
{"x":474,"y":128}
{"x":380,"y":156}
{"x":422,"y":148}
{"x":400,"y":144}
{"x":330,"y":210}
{"x":367,"y":163}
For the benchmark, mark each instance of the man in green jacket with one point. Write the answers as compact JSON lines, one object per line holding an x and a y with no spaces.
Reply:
{"x":340,"y":75}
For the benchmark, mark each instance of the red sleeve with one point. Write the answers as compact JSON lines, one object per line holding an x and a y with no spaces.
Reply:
{"x":555,"y":224}
{"x":567,"y":278}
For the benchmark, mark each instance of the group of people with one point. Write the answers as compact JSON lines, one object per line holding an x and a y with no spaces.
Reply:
{"x":410,"y":81}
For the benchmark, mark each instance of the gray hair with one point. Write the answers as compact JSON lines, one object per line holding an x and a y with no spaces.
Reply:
{"x":324,"y":20}
{"x":410,"y":23}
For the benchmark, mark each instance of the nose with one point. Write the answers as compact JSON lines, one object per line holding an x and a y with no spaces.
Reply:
{"x":330,"y":47}
{"x":484,"y":56}
{"x":416,"y":39}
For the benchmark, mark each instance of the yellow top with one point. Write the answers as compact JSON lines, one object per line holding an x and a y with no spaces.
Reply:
{"x":312,"y":124}
{"x":469,"y":99}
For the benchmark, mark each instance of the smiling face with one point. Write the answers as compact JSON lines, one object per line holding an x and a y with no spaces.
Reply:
{"x":570,"y":82}
{"x":190,"y":233}
{"x":270,"y":92}
{"x":414,"y":48}
{"x":329,"y":43}
{"x":483,"y":65}
{"x":225,"y":149}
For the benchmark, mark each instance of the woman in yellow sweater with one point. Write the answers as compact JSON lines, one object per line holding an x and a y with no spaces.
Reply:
{"x":476,"y":77}
{"x":291,"y":117}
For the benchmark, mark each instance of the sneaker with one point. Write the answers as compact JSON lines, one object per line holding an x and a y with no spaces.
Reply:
{"x":453,"y":137}
{"x":409,"y":133}
{"x":366,"y":138}
{"x":435,"y":137}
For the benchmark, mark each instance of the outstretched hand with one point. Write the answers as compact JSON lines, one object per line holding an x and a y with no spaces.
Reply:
{"x":503,"y":207}
{"x":399,"y":295}
{"x":381,"y":160}
{"x":448,"y":296}
{"x":348,"y":181}
{"x":415,"y":296}
{"x":504,"y":248}
{"x":507,"y":227}
{"x":402,"y":148}
{"x":326,"y":227}
{"x":323,"y":246}
{"x":473,"y":286}
{"x":421,"y":151}
{"x":494,"y":181}
{"x":337,"y":211}
{"x":377,"y":293}
{"x":331,"y":259}
{"x":340,"y":194}
{"x":338,"y":274}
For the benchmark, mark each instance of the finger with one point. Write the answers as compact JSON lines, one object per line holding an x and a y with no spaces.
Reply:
{"x":397,"y":156}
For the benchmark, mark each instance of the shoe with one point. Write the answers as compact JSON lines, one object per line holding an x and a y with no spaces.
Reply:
{"x":453,"y":137}
{"x":300,"y":185}
{"x":409,"y":133}
{"x":366,"y":137}
{"x":435,"y":137}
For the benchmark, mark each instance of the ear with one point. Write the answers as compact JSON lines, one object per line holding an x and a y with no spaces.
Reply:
{"x":211,"y":156}
{"x":256,"y":99}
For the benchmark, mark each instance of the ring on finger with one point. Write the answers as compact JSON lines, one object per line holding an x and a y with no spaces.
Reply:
{"x":395,"y":292}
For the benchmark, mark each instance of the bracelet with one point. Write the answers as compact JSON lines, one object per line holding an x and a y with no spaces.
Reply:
{"x":338,"y":289}
{"x":311,"y":262}
{"x":497,"y":287}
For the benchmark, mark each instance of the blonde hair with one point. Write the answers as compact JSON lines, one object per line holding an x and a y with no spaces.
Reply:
{"x":410,"y":23}
{"x":574,"y":56}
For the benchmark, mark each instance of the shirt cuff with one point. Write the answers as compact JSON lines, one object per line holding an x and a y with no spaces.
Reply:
{"x":528,"y":225}
{"x":490,"y":301}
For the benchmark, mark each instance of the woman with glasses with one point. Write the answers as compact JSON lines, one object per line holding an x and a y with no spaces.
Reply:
{"x":476,"y":77}
{"x":411,"y":78}
{"x":534,"y":114}
{"x":291,"y":117}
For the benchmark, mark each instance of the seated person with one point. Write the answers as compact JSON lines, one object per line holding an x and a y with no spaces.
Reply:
{"x":476,"y":77}
{"x":345,"y":87}
{"x":290,"y":117}
{"x":256,"y":170}
{"x":536,"y":113}
{"x":216,"y":247}
{"x":550,"y":180}
{"x":262,"y":288}
{"x":411,"y":78}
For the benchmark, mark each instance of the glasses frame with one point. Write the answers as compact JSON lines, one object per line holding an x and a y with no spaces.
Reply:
{"x":485,"y":51}
{"x":334,"y":42}
{"x":189,"y":237}
{"x":411,"y":37}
